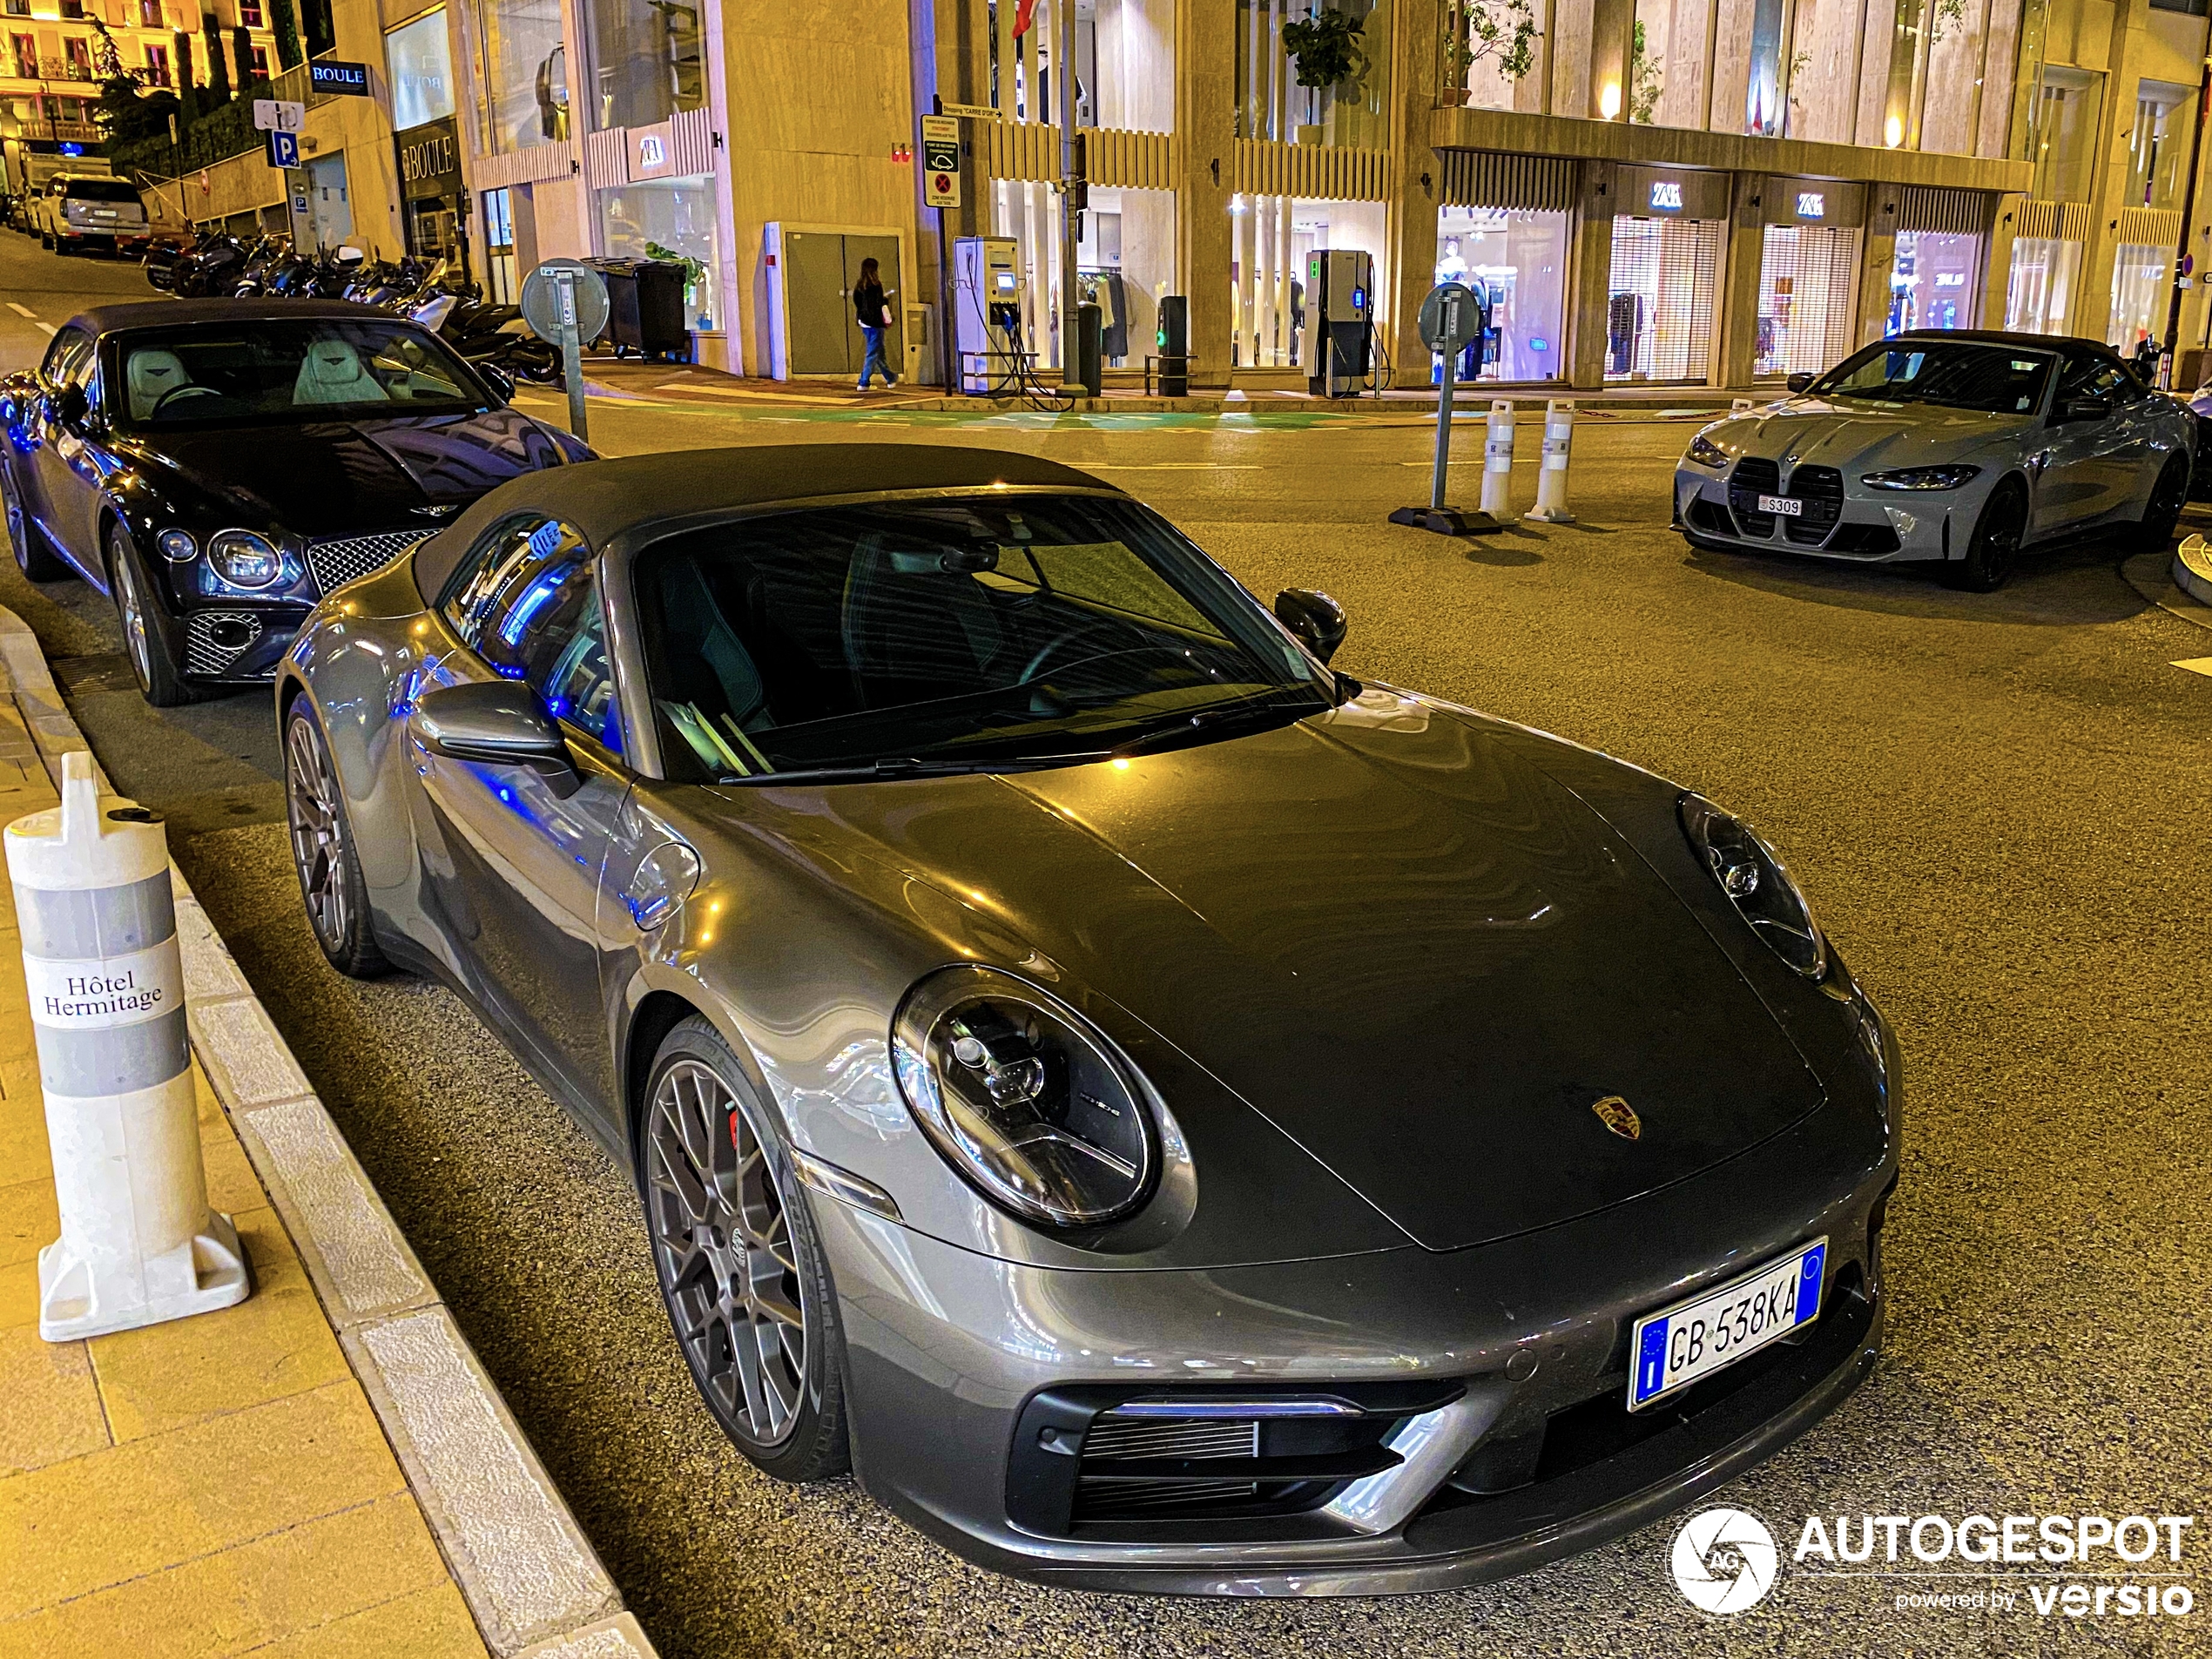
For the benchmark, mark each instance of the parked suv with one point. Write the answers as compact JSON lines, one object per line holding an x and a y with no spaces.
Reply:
{"x":77,"y":213}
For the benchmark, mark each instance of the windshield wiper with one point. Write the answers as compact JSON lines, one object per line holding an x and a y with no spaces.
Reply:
{"x":889,"y":767}
{"x":1213,"y":722}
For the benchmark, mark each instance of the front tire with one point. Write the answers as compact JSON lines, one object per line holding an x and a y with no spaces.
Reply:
{"x":742,"y":1272}
{"x":331,"y":882}
{"x":1996,"y":542}
{"x":160,"y":677}
{"x":2155,"y":530}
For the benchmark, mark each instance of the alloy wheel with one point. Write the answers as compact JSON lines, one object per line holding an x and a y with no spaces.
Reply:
{"x":728,"y":1267}
{"x":134,"y":622}
{"x":2001,"y":539}
{"x":311,"y":808}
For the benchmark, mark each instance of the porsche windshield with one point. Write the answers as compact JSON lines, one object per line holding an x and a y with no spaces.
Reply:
{"x":949,"y":633}
{"x":1957,"y":374}
{"x":264,"y":371}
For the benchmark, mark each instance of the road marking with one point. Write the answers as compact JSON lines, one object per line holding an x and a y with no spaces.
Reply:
{"x":47,"y":327}
{"x":2196,"y":665}
{"x":22,"y":311}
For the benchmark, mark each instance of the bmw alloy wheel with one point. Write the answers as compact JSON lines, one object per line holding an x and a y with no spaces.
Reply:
{"x":317,"y":840}
{"x":728,"y":1264}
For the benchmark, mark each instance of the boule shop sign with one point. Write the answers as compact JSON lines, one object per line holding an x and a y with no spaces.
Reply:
{"x":430,"y":160}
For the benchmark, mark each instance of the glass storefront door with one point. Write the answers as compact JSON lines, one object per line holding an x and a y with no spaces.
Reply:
{"x":1516,"y":260}
{"x":2039,"y":291}
{"x":1659,"y":317}
{"x":1935,"y":281}
{"x":1808,"y":283}
{"x":2142,"y":279}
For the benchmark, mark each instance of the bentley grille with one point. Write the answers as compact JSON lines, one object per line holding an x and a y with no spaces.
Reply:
{"x":333,"y":564}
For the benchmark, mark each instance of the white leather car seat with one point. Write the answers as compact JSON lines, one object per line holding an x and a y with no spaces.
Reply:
{"x":149,"y":375}
{"x":333,"y":372}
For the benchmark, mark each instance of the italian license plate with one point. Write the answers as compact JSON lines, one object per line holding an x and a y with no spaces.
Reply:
{"x":1787,"y":506}
{"x":1686,"y":1342}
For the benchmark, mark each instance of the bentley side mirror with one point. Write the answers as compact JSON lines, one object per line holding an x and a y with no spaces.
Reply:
{"x":496,"y":723}
{"x":2085,"y":408}
{"x":1800,"y":383}
{"x":1317,"y":620}
{"x":501,"y":383}
{"x":69,"y":406}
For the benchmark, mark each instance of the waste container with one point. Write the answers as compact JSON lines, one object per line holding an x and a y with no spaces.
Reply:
{"x":645,"y":306}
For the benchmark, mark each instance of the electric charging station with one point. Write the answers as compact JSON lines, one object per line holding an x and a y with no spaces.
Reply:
{"x":1340,"y":292}
{"x":987,"y":315}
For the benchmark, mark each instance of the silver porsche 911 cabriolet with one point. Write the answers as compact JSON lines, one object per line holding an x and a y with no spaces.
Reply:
{"x":1960,"y":448}
{"x":1167,"y":1115}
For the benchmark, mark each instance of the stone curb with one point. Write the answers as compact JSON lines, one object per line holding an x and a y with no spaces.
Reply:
{"x":2160,"y":580}
{"x":2192,"y":571}
{"x":532,"y":1582}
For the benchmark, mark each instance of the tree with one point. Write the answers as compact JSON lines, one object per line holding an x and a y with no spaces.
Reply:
{"x":284,"y":23}
{"x":242,"y":52}
{"x":1328,"y":47}
{"x":1644,"y":81}
{"x":1503,"y":29}
{"x":219,"y":73}
{"x":187,"y":89}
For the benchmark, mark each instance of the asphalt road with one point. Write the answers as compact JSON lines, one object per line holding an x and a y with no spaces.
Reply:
{"x":1997,"y":804}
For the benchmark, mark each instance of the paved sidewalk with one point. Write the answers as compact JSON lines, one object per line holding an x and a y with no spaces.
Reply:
{"x":215,"y":1485}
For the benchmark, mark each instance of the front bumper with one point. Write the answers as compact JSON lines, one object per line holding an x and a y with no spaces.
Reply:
{"x":952,"y":1357}
{"x":226,"y":643}
{"x":1720,"y":511}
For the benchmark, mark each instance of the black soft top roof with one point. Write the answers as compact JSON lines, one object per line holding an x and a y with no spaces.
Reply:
{"x":167,"y":314}
{"x":604,"y":499}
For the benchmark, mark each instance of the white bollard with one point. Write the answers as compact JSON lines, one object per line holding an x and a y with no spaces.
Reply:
{"x":99,"y":925}
{"x":1497,"y":460}
{"x":1551,"y":482}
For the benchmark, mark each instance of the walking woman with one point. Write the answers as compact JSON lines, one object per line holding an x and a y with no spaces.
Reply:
{"x":871,"y":306}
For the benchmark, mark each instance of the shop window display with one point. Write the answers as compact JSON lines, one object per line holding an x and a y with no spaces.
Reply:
{"x":646,"y":61}
{"x":1123,"y":264}
{"x":1270,"y":103}
{"x":521,"y":97}
{"x":1516,"y":260}
{"x":420,"y":60}
{"x":1934,"y":281}
{"x":1807,"y":287}
{"x":2142,"y":280}
{"x":2039,"y":290}
{"x":672,"y":214}
{"x":1659,"y":315}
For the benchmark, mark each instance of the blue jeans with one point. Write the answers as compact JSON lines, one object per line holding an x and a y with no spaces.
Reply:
{"x":874,"y":360}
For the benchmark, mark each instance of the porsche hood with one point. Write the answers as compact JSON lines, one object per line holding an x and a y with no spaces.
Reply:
{"x":1399,"y":939}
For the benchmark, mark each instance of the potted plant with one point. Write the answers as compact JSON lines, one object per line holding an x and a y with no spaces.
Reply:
{"x":1329,"y":48}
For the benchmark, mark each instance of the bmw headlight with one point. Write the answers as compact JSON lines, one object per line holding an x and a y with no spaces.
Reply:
{"x":1706,"y":453}
{"x":1921,"y":478}
{"x":176,"y":546}
{"x":243,"y":559}
{"x":1755,"y":882}
{"x":1032,"y":1104}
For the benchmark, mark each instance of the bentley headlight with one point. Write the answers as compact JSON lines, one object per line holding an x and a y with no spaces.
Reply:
{"x":1032,"y":1104}
{"x":1921,"y":478}
{"x":1706,"y":453}
{"x":1760,"y":888}
{"x":243,"y":559}
{"x":176,"y":546}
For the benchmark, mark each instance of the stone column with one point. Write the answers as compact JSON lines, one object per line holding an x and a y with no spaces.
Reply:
{"x":1206,"y":159}
{"x":1877,"y":256}
{"x":1587,"y":316}
{"x":2109,"y":179}
{"x":1739,"y":295}
{"x":1997,"y":272}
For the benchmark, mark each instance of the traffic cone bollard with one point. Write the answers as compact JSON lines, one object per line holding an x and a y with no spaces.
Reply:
{"x":138,"y":1244}
{"x":1551,"y":480}
{"x":1497,"y":460}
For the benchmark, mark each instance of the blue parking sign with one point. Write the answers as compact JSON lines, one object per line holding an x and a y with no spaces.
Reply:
{"x":284,"y":149}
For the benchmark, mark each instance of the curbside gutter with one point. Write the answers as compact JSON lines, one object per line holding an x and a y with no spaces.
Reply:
{"x":531,"y":1580}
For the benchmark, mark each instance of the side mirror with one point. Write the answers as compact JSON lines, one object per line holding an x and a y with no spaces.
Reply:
{"x":1800,"y":383}
{"x":497,"y":723}
{"x":501,"y":383}
{"x":1317,"y":620}
{"x":2085,"y":408}
{"x":69,"y":406}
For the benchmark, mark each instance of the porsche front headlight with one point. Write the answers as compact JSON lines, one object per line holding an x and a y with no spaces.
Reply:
{"x":1922,"y":478}
{"x":243,"y":559}
{"x":1752,"y":877}
{"x":1706,"y":453}
{"x":1029,"y":1103}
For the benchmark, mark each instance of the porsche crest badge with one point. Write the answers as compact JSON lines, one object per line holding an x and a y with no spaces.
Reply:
{"x":1619,"y":1117}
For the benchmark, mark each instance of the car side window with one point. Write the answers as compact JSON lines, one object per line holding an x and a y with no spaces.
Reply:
{"x":68,"y":360}
{"x":2089,"y":376}
{"x":527,"y":601}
